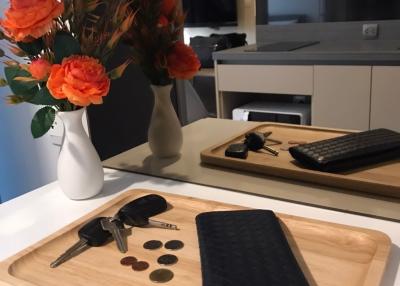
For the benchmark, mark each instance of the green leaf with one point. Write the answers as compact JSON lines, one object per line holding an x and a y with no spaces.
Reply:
{"x":42,"y":121}
{"x":32,"y":48}
{"x":20,"y":88}
{"x":65,"y":45}
{"x":43,"y":97}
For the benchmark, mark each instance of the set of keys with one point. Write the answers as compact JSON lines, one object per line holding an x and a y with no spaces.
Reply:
{"x":102,"y":230}
{"x":254,"y":141}
{"x":257,"y":140}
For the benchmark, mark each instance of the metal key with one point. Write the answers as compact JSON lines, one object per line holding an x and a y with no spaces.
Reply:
{"x":115,"y":227}
{"x":146,"y":222}
{"x":90,"y":235}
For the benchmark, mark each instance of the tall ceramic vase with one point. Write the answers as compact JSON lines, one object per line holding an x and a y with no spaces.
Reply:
{"x":165,"y":131}
{"x":80,"y":173}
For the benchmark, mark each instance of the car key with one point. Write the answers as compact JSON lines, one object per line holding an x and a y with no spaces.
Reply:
{"x":137,"y":212}
{"x":256,"y":141}
{"x":90,"y":235}
{"x":115,"y":227}
{"x":239,"y":151}
{"x":140,"y":208}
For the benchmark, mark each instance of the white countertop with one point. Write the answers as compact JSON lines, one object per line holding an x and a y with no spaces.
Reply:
{"x":35,"y":215}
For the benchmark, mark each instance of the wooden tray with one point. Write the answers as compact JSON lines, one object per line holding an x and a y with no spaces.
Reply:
{"x":381,"y":179}
{"x":322,"y":249}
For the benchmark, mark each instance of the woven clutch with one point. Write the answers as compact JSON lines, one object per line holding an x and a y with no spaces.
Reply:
{"x":246,"y":248}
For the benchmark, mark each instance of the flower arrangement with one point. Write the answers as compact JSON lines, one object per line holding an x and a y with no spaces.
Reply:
{"x":155,"y":41}
{"x":59,"y":50}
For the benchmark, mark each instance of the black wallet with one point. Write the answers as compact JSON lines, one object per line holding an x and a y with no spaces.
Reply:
{"x":349,"y":151}
{"x":246,"y":248}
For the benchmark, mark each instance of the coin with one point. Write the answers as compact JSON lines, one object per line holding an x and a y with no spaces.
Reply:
{"x":152,"y":244}
{"x":161,"y":275}
{"x":128,"y":260}
{"x":140,"y":265}
{"x":167,"y":259}
{"x":174,"y":245}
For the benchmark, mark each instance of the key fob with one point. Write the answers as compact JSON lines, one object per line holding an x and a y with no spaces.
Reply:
{"x":255,"y":141}
{"x":94,"y":233}
{"x":140,"y":208}
{"x":237,"y":151}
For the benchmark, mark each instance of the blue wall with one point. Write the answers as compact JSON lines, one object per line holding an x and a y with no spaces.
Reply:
{"x":25,"y":163}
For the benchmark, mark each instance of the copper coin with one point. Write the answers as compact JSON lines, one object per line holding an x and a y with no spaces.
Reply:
{"x":152,"y":244}
{"x":294,"y":142}
{"x":167,"y":259}
{"x":161,"y":275}
{"x":140,"y":265}
{"x":128,"y":260}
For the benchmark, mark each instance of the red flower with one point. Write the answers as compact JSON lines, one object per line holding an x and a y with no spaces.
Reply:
{"x":167,"y":7}
{"x":182,"y":61}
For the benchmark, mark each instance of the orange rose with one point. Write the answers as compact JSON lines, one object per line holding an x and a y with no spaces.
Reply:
{"x":81,"y":79}
{"x":40,"y":69}
{"x":182,"y":62}
{"x":167,"y":7}
{"x":26,"y":19}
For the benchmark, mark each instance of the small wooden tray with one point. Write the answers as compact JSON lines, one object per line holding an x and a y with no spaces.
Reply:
{"x":322,"y":249}
{"x":381,"y":179}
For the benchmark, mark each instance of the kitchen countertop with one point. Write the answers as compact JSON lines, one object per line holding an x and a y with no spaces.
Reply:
{"x":324,"y":53}
{"x":36,"y":215}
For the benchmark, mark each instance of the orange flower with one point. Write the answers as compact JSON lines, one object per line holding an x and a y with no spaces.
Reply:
{"x":81,"y":79}
{"x":40,"y":69}
{"x":182,"y":62}
{"x":167,"y":7}
{"x":27,"y":19}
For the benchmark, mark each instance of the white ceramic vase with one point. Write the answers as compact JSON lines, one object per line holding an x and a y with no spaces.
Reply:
{"x":165,"y":131}
{"x":80,"y":173}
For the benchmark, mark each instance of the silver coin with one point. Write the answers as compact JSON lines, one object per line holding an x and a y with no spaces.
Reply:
{"x":161,"y":275}
{"x":152,"y":244}
{"x":174,"y":245}
{"x":167,"y":259}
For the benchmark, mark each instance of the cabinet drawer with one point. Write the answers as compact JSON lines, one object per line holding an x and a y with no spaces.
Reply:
{"x":385,"y":99}
{"x":266,"y":79}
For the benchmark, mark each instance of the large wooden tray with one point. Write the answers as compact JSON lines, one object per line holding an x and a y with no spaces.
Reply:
{"x":381,"y":179}
{"x":329,"y":254}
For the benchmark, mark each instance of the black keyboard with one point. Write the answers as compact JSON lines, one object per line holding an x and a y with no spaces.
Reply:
{"x":349,"y":151}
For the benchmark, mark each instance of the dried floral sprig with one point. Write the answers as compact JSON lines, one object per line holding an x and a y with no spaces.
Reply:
{"x":155,"y":36}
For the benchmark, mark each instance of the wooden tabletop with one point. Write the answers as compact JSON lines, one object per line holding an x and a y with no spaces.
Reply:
{"x":207,"y":132}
